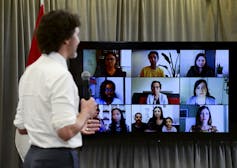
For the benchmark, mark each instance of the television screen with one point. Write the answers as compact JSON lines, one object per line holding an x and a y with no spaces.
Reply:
{"x":160,"y":87}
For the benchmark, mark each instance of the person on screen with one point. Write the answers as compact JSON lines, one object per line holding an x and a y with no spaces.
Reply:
{"x":107,"y":93}
{"x":156,"y":122}
{"x":168,"y":127}
{"x":200,"y":68}
{"x":102,"y":125}
{"x":110,"y":68}
{"x":118,"y":124}
{"x":153,"y":70}
{"x":156,"y":97}
{"x":203,"y":121}
{"x":201,"y":94}
{"x":48,"y":103}
{"x":138,"y":126}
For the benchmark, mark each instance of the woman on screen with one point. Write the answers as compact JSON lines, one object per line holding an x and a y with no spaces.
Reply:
{"x":203,"y":121}
{"x":201,"y":94}
{"x":118,"y":124}
{"x":156,"y":97}
{"x":107,"y":93}
{"x":110,"y":68}
{"x":200,"y":68}
{"x":156,"y":122}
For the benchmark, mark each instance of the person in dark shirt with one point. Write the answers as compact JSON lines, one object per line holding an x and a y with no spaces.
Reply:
{"x":156,"y":122}
{"x":118,"y":124}
{"x":110,"y":68}
{"x":200,"y":68}
{"x":138,"y":126}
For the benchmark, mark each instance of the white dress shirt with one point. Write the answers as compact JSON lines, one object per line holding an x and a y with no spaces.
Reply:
{"x":48,"y":101}
{"x":162,"y":98}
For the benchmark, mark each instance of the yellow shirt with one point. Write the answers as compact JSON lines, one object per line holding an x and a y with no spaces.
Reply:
{"x":148,"y":72}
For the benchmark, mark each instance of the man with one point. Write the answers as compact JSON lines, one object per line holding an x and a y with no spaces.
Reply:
{"x":138,"y":126}
{"x":153,"y":70}
{"x":156,"y":97}
{"x":48,"y":97}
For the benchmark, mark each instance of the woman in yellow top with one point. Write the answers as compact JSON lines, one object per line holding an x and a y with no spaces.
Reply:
{"x":153,"y":70}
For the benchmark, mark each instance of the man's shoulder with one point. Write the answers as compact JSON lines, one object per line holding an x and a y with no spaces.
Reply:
{"x":48,"y":69}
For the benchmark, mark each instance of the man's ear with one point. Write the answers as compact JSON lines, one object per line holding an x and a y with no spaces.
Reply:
{"x":66,"y":41}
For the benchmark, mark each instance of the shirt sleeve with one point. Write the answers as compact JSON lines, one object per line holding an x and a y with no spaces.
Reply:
{"x":19,"y":117}
{"x":149,"y":99}
{"x":19,"y":120}
{"x":142,"y":73}
{"x":166,"y":99}
{"x":63,"y":99}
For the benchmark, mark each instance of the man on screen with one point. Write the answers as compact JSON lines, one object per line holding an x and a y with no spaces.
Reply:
{"x":48,"y":97}
{"x":153,"y":70}
{"x":138,"y":126}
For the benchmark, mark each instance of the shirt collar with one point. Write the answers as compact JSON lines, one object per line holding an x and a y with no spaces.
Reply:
{"x":58,"y":58}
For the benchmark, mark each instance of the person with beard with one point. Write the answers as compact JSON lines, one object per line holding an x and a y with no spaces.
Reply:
{"x":138,"y":126}
{"x":107,"y":93}
{"x":48,"y":103}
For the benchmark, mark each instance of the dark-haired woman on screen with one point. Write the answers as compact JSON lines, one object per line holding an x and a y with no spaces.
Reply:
{"x":203,"y":121}
{"x":157,"y":121}
{"x":200,"y":68}
{"x":118,"y":124}
{"x":107,"y":93}
{"x":110,"y":68}
{"x":201,"y":94}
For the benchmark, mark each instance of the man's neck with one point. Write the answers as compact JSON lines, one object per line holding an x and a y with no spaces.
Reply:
{"x":153,"y":66}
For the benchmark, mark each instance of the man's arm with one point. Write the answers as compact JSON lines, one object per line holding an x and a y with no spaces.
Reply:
{"x":22,"y":131}
{"x":83,"y":122}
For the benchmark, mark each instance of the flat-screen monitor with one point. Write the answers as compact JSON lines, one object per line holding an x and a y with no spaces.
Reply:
{"x":161,"y":88}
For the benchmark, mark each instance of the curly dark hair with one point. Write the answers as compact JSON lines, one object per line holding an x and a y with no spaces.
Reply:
{"x":54,"y":28}
{"x":102,"y":88}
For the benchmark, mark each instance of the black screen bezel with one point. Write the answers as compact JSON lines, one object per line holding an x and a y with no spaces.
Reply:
{"x":76,"y":64}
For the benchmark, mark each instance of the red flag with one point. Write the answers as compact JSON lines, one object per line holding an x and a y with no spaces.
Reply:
{"x":35,"y":53}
